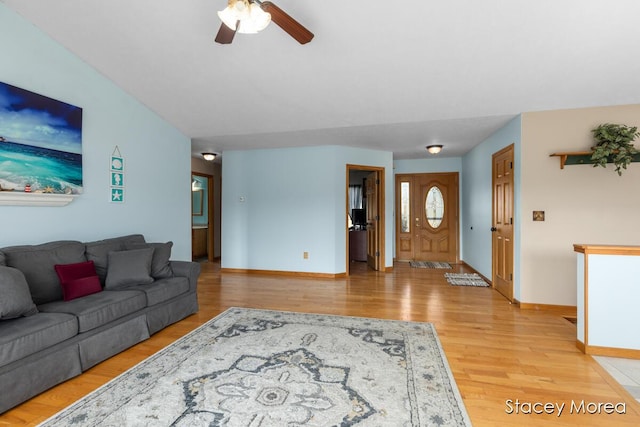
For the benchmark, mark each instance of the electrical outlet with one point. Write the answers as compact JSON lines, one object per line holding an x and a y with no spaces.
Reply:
{"x":305,"y":255}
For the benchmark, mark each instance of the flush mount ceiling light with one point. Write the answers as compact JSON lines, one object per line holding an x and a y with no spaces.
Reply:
{"x":244,"y":16}
{"x":434,"y":149}
{"x":209,"y":156}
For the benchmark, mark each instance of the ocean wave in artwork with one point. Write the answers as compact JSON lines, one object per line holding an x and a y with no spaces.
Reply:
{"x":40,"y":168}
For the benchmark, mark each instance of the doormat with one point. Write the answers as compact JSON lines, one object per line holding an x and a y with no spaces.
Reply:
{"x":429,"y":264}
{"x":271,"y":368}
{"x":465,"y":279}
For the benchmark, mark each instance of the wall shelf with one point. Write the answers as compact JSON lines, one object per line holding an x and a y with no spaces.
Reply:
{"x":580,"y":158}
{"x":19,"y":198}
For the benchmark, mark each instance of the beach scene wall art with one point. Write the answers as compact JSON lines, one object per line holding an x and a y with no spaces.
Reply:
{"x":40,"y":143}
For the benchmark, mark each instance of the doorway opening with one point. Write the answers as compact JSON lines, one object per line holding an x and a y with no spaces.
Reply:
{"x":365,"y":239}
{"x":202,"y":217}
{"x":427,"y":217}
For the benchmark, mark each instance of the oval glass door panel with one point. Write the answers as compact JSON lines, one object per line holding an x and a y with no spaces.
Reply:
{"x":434,"y":207}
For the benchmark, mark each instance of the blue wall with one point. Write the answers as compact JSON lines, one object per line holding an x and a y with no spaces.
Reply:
{"x":157,"y":156}
{"x":279,"y":203}
{"x":294,"y":202}
{"x":477,"y":200}
{"x":437,"y":165}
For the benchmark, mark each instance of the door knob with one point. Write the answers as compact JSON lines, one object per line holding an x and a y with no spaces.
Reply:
{"x":493,"y":229}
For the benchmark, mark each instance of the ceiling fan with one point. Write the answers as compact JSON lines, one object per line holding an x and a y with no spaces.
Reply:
{"x":251,"y":16}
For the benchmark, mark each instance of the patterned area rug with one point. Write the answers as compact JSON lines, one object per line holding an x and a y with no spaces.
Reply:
{"x":465,"y":279}
{"x":429,"y":264}
{"x":269,"y":368}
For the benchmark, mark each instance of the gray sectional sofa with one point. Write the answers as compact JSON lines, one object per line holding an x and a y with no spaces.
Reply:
{"x":57,"y":319}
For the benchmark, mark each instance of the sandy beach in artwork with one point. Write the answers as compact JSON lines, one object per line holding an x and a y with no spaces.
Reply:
{"x":42,"y":169}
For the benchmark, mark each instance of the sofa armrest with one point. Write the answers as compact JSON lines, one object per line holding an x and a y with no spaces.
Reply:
{"x":188,"y":269}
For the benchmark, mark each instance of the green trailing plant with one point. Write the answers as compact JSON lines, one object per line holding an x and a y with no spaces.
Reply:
{"x":614,"y":143}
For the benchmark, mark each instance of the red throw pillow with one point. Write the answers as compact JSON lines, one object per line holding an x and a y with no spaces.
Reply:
{"x":81,"y":287}
{"x":78,"y":280}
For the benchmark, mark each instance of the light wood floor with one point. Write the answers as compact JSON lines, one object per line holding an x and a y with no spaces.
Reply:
{"x":496,"y":351}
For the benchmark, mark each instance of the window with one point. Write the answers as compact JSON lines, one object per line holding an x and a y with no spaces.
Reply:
{"x":434,"y":207}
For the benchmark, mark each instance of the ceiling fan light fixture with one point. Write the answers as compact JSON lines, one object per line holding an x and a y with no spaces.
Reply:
{"x":236,"y":10}
{"x":244,"y":16}
{"x":434,"y":149}
{"x":209,"y":156}
{"x":257,"y":21}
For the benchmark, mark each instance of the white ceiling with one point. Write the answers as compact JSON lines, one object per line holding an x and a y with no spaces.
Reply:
{"x":386,"y":75}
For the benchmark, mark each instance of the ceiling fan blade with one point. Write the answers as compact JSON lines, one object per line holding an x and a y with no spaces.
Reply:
{"x":287,"y":23}
{"x":225,"y":35}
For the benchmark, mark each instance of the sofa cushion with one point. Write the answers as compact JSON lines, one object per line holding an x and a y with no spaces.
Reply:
{"x":37,"y":264}
{"x":160,"y":266}
{"x":163,"y":289}
{"x":129,"y":268}
{"x":15,"y":298}
{"x":27,"y":335}
{"x":98,"y":251}
{"x":98,"y":309}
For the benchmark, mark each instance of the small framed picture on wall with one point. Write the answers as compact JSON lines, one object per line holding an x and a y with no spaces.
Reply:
{"x":117,"y":163}
{"x":117,"y":195}
{"x":116,"y":185}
